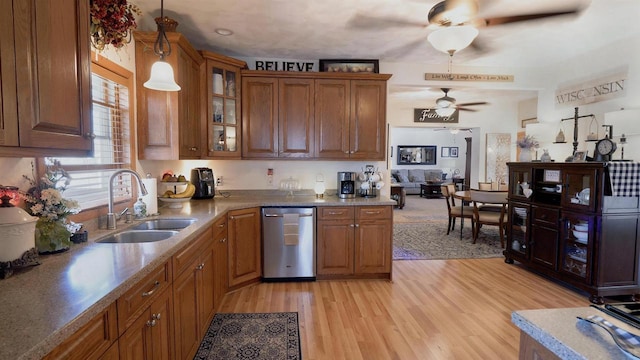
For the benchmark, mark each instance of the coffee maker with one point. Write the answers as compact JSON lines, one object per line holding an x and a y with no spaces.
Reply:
{"x":346,"y":185}
{"x":204,"y":182}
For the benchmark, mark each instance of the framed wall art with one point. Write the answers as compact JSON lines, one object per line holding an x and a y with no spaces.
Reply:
{"x":453,"y":152}
{"x":349,"y":66}
{"x":498,"y":154}
{"x":416,"y":154}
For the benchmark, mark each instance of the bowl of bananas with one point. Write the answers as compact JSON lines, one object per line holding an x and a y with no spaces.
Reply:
{"x":175,"y":198}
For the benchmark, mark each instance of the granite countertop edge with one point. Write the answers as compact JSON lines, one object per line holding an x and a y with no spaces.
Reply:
{"x":39,"y":342}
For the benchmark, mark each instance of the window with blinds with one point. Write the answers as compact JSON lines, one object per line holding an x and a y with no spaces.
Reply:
{"x":112,"y":147}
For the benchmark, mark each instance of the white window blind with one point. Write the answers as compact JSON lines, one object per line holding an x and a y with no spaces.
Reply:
{"x":112,"y":148}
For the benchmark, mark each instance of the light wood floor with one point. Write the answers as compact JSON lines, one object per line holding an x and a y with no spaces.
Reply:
{"x":433,"y":309}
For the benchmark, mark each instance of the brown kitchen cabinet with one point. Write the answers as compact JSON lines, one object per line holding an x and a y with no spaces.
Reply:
{"x":350,"y":118}
{"x":145,"y":317}
{"x":220,"y":261}
{"x":45,"y":91}
{"x":94,"y":340}
{"x":170,"y":123}
{"x":193,"y":293}
{"x":571,"y":229}
{"x":150,"y":335}
{"x":354,"y":242}
{"x":222,"y":135}
{"x":244,"y":246}
{"x":277,"y":117}
{"x":313,"y":115}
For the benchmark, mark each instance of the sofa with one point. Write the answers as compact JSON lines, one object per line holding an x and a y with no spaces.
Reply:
{"x":412,"y":178}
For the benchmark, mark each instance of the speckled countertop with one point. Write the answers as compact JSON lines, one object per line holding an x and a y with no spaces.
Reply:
{"x":569,"y":338}
{"x":43,"y":305}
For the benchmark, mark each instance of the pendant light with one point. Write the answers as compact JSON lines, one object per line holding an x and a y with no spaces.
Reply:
{"x":452,"y":39}
{"x":161,"y":71}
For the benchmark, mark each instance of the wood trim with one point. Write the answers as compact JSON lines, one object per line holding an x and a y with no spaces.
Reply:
{"x":315,"y":75}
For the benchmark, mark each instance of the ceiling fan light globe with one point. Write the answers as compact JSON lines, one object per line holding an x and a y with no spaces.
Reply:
{"x":161,"y":78}
{"x":445,"y":102}
{"x":452,"y":38}
{"x":445,"y":112}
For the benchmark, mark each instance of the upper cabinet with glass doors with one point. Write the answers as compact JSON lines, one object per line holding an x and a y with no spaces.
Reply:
{"x":223,"y":105}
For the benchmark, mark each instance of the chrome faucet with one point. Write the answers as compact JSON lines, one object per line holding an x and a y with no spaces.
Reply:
{"x":111,"y":216}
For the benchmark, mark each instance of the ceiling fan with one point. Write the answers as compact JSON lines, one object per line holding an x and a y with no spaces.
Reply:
{"x":464,"y":14}
{"x":447,"y":101}
{"x":453,"y":130}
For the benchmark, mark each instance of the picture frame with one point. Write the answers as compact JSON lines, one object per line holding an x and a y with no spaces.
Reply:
{"x":453,"y":152}
{"x":363,"y":66}
{"x":580,"y":156}
{"x":417,"y":154}
{"x":445,"y":152}
{"x":525,"y":122}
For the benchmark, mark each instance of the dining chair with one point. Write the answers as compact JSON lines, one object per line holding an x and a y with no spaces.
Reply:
{"x":484,"y":185}
{"x":453,"y":210}
{"x":489,"y":217}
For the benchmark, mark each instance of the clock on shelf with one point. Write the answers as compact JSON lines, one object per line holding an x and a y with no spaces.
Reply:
{"x":604,"y":150}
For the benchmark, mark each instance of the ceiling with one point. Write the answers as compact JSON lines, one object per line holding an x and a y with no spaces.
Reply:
{"x":393,"y":30}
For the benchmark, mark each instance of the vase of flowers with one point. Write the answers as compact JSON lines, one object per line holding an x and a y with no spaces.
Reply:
{"x":44,"y":199}
{"x":526,"y":145}
{"x":112,"y":22}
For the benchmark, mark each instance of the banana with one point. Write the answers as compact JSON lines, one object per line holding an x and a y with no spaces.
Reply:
{"x":187,"y":193}
{"x":167,"y":194}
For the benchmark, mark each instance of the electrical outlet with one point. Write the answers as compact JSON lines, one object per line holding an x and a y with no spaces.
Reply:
{"x":270,"y":177}
{"x":219,"y":181}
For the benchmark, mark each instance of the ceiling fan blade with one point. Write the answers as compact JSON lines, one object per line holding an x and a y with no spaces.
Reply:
{"x":474,"y":103}
{"x":367,"y":22}
{"x":465,"y":109}
{"x":518,"y":18}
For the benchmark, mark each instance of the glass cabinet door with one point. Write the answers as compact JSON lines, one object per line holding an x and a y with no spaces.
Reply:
{"x":577,"y":238}
{"x":518,"y":241}
{"x":520,"y":181}
{"x":578,"y":186}
{"x":222,"y":128}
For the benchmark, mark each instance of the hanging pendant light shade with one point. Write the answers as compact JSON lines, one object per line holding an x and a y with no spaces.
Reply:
{"x":446,"y":111}
{"x":452,"y":38}
{"x":162,"y":77}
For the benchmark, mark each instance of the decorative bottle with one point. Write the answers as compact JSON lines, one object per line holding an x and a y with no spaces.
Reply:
{"x":140,"y":209}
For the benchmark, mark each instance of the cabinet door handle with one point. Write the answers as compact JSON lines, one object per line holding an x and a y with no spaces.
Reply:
{"x":352,"y":152}
{"x":221,"y":226}
{"x":156,"y":285}
{"x":357,"y":225}
{"x":155,"y":316}
{"x":193,"y":148}
{"x":151,"y":323}
{"x":223,"y":240}
{"x":351,"y":225}
{"x":347,"y":152}
{"x":89,"y":135}
{"x":200,"y":267}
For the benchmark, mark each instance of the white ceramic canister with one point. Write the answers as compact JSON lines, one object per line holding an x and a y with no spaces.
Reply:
{"x":18,"y":233}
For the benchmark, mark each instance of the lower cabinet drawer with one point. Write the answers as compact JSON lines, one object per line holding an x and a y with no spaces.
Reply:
{"x":136,"y":300}
{"x":545,"y":216}
{"x":92,"y":340}
{"x":335,"y":212}
{"x":373,"y":212}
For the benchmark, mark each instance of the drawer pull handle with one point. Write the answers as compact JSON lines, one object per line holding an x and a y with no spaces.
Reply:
{"x":336,"y":212}
{"x":372,"y":212}
{"x":156,"y":285}
{"x":221,"y":226}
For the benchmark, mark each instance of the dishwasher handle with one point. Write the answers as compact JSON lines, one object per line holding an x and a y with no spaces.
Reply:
{"x":280,"y":215}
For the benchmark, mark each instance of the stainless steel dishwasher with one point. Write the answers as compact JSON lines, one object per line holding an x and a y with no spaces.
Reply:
{"x":289,"y":243}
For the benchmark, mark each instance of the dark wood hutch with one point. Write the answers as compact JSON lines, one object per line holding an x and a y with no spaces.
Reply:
{"x":564,"y":224}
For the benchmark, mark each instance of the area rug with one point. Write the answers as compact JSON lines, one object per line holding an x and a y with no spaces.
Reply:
{"x":268,"y":336}
{"x":429,"y":240}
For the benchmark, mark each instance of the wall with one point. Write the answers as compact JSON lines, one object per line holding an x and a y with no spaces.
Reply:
{"x":620,"y":54}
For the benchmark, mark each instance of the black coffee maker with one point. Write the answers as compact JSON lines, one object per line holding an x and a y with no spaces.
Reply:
{"x":204,"y":182}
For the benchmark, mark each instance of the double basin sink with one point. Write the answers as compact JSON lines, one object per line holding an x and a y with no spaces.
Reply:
{"x":149,"y":231}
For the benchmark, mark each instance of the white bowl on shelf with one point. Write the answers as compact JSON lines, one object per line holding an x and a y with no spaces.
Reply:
{"x":581,"y":226}
{"x":580,"y":235}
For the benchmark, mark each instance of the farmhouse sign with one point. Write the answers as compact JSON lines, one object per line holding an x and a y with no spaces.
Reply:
{"x":430,"y":116}
{"x":468,"y":77}
{"x":284,"y":65}
{"x":600,"y":89}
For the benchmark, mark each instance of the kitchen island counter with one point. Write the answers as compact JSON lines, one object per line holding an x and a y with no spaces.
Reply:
{"x":45,"y":304}
{"x":559,"y":331}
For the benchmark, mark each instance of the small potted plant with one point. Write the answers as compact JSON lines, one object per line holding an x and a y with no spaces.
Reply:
{"x":526,"y":144}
